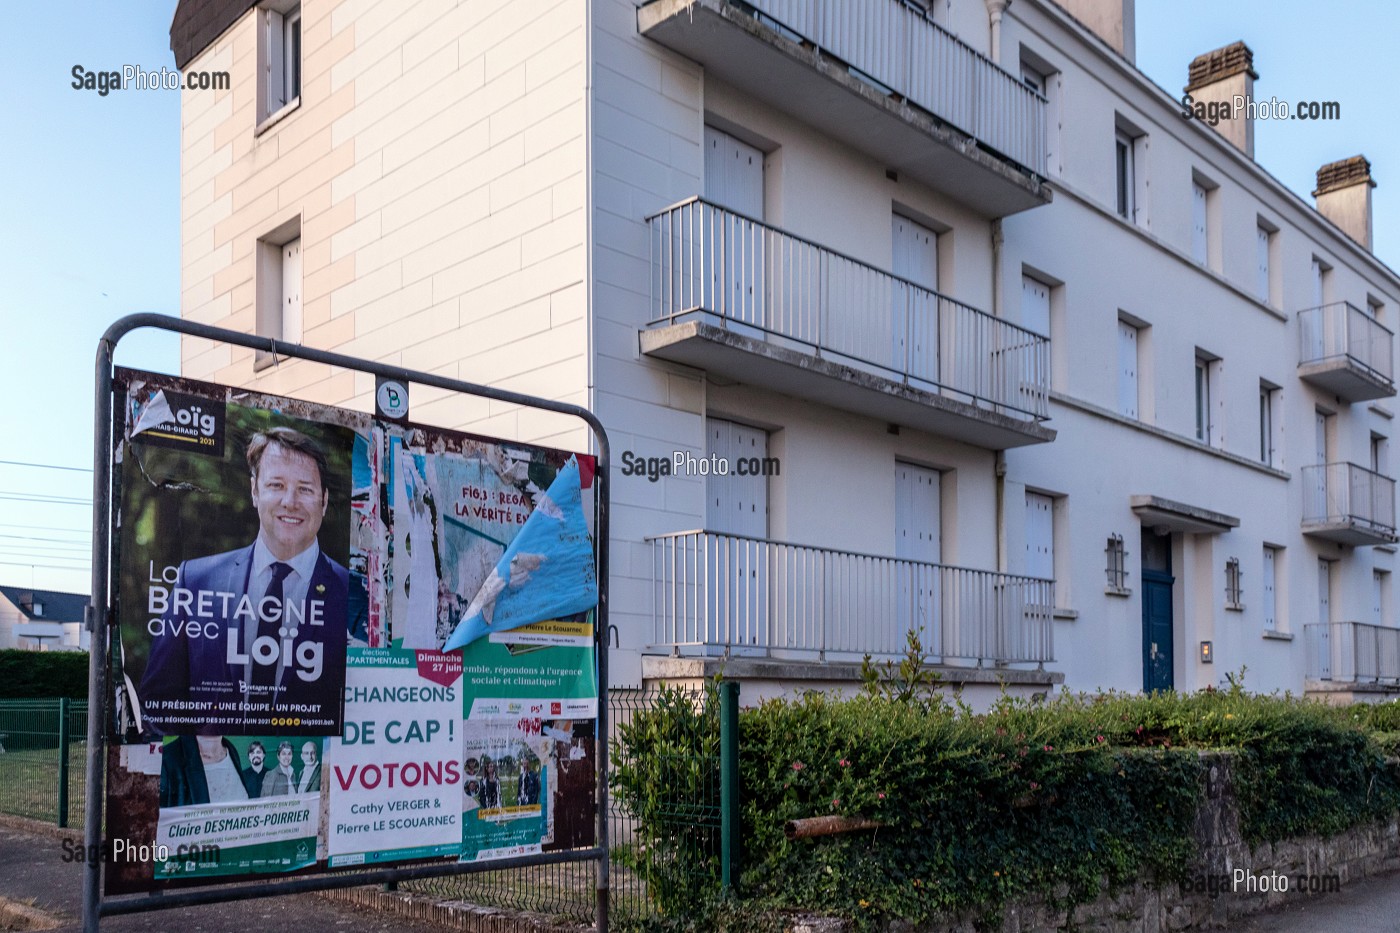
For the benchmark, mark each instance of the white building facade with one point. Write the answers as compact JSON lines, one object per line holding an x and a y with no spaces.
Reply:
{"x":1007,"y":352}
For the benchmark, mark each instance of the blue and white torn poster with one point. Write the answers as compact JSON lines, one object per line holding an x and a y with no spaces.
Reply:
{"x":547,"y":571}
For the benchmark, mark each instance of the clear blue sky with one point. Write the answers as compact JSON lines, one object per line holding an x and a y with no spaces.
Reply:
{"x":90,"y":228}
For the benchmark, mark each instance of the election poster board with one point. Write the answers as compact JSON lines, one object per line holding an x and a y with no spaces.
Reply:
{"x":396,"y":771}
{"x":342,"y":641}
{"x":232,"y":552}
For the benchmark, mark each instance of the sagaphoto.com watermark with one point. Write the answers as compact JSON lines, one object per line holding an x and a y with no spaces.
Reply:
{"x":685,"y":463}
{"x":134,"y":77}
{"x":1242,"y":107}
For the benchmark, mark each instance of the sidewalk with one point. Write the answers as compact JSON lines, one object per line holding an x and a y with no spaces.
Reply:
{"x":33,"y":873}
{"x":1371,"y":905}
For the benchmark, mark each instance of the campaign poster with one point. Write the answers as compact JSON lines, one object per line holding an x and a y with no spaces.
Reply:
{"x":254,"y":801}
{"x":396,"y":772}
{"x":190,"y":807}
{"x":234,"y":529}
{"x":493,"y":558}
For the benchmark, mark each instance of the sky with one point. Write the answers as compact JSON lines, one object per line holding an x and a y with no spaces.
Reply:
{"x":90,"y":188}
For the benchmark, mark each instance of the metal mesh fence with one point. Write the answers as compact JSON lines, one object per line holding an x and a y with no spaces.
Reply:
{"x":664,"y":830}
{"x":653,"y":851}
{"x":32,"y":757}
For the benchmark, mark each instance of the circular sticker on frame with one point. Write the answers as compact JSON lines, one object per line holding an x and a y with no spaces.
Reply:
{"x":391,"y":398}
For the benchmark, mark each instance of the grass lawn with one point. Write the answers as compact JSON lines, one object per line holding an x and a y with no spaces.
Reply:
{"x":29,"y":783}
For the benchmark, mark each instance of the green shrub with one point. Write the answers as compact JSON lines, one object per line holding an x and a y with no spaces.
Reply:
{"x":665,"y":769}
{"x":28,"y":675}
{"x":1029,"y":798}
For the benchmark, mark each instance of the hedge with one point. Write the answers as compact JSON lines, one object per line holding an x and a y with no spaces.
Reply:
{"x":976,"y":809}
{"x":42,"y":674}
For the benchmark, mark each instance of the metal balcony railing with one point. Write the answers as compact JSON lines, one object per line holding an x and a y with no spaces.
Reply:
{"x":896,"y":45}
{"x":1344,"y":333}
{"x":1345,"y":493}
{"x":752,"y":595}
{"x":779,"y":286}
{"x":1353,"y":652}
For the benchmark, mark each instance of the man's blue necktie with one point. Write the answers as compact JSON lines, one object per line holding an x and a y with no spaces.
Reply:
{"x":271,"y":623}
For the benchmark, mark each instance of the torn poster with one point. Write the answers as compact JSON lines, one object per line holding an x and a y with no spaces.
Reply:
{"x":547,"y":572}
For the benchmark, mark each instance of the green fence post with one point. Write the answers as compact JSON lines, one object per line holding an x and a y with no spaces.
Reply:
{"x":63,"y":762}
{"x":729,"y":782}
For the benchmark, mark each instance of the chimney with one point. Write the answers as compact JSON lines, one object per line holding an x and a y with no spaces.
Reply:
{"x":1344,"y":197}
{"x":1113,"y":21}
{"x":1220,"y":77}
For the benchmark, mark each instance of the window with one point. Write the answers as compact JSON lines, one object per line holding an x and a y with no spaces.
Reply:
{"x":279,"y":305}
{"x":38,"y":609}
{"x":1200,"y":234}
{"x":1043,"y":77}
{"x":1234,"y":592}
{"x":1129,"y":348}
{"x":1123,"y":149}
{"x":1268,"y":423}
{"x":279,"y":59}
{"x":1321,"y":282}
{"x":1117,"y":568}
{"x":1047,"y":542}
{"x":1035,"y":305}
{"x":1265,"y":245}
{"x":1380,"y":453}
{"x":1209,"y":429}
{"x":1380,"y":597}
{"x":1205,"y":221}
{"x":1375,"y":308}
{"x":1129,"y":148}
{"x":1273,"y":560}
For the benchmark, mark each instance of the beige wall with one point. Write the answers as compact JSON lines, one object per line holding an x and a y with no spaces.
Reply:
{"x":436,"y":163}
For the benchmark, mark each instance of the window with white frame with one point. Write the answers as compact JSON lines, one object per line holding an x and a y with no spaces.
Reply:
{"x":1035,"y":305}
{"x":1234,"y":590}
{"x":1375,"y":308}
{"x":1129,"y":357}
{"x":1380,"y":597}
{"x":1380,"y":453}
{"x":1269,"y":447}
{"x":1273,"y":564}
{"x":1265,"y":245}
{"x":1044,"y":77}
{"x":1129,"y":161}
{"x":1209,"y":430}
{"x":1200,"y":245}
{"x":1117,"y":566}
{"x":278,"y":312}
{"x":1125,"y":174}
{"x":279,"y":58}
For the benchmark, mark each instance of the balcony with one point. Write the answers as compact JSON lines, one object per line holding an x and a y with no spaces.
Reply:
{"x":1353,"y":653}
{"x":881,"y":77}
{"x":743,"y":300}
{"x":1346,"y":352}
{"x":1348,"y":504}
{"x":759,"y":598}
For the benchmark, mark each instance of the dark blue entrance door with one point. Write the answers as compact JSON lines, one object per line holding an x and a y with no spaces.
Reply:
{"x":1156,"y":630}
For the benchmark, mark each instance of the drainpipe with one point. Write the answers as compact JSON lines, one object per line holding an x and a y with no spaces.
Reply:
{"x":1001,"y":509}
{"x":994,"y":10}
{"x":1000,"y":462}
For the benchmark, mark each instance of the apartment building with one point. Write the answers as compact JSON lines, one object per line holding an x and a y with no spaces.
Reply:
{"x":998,"y":347}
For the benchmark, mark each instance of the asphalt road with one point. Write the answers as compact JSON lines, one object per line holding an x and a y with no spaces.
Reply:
{"x":1369,"y":906}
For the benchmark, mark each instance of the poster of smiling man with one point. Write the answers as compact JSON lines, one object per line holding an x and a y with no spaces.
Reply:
{"x":235,"y":592}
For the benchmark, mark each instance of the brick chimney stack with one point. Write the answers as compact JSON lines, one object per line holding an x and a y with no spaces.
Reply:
{"x":1113,"y":21}
{"x":1221,"y":76}
{"x":1344,"y":197}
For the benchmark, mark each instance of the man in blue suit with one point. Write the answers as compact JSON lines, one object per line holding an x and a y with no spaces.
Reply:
{"x":256,"y":637}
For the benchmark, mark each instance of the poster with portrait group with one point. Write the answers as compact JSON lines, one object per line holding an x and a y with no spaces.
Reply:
{"x":342,"y":641}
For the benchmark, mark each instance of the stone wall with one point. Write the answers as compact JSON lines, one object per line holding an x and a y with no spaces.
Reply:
{"x":1213,"y":894}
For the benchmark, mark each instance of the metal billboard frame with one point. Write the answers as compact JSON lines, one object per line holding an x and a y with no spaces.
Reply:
{"x":99,"y":612}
